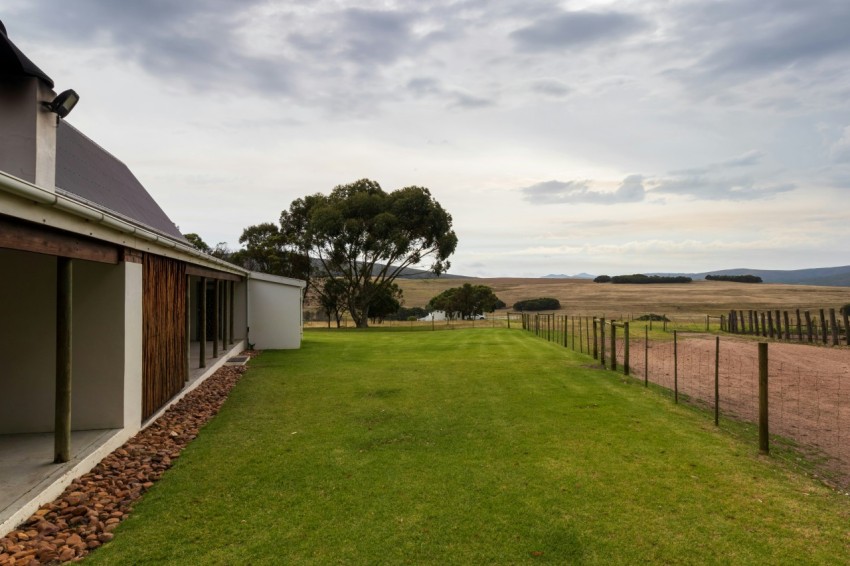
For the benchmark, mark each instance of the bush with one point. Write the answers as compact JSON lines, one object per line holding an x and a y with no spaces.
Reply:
{"x":603,"y":279}
{"x":541,"y":304}
{"x":735,"y":278}
{"x":640,"y":278}
{"x":652,"y":316}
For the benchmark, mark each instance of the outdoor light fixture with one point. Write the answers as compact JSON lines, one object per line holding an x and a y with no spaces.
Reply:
{"x":63,"y":103}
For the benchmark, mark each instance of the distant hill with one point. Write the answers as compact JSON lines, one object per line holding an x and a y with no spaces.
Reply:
{"x":563,"y":276}
{"x":823,"y":276}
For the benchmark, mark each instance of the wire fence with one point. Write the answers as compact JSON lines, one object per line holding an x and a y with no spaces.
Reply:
{"x":807,"y":387}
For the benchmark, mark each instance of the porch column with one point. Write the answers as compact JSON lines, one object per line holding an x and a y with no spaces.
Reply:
{"x":202,"y":330}
{"x":216,"y":316}
{"x":222,"y":307}
{"x":188,"y":326}
{"x":232,"y":286}
{"x":64,"y":317}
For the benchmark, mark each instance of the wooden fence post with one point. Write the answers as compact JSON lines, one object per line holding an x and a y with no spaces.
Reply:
{"x":756,"y":323}
{"x":602,"y":340}
{"x":764,"y":441}
{"x":675,"y":368}
{"x":778,"y":326}
{"x":799,"y":327}
{"x":626,"y":348}
{"x":645,"y":356}
{"x":763,"y":326}
{"x":787,"y":326}
{"x":823,"y":326}
{"x":751,"y":322}
{"x":809,"y":326}
{"x":717,"y":380}
{"x":834,"y":325}
{"x":595,"y":349}
{"x":613,"y":346}
{"x":770,"y":323}
{"x":845,"y":313}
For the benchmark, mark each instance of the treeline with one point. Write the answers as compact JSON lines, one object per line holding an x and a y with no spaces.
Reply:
{"x":735,"y":278}
{"x":640,"y":278}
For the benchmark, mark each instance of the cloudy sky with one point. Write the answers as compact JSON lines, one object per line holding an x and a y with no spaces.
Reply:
{"x":563,"y":137}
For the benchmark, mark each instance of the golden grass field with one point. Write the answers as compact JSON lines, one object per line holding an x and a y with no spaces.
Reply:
{"x":606,"y":299}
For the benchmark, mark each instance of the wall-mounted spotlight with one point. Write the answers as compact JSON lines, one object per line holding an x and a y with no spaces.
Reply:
{"x":63,"y":103}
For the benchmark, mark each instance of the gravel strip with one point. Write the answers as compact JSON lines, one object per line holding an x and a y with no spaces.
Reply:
{"x":84,"y":516}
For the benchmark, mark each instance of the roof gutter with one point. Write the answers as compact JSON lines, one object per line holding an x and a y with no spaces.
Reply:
{"x":29,"y":191}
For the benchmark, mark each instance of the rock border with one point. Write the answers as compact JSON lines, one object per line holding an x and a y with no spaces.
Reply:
{"x":84,"y":517}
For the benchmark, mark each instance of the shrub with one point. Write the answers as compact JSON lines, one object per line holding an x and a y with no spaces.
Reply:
{"x":603,"y":279}
{"x":735,"y":278}
{"x":640,"y":278}
{"x":652,"y":316}
{"x":541,"y":304}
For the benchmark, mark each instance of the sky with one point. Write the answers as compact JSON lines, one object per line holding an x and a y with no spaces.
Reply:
{"x":562,"y":137}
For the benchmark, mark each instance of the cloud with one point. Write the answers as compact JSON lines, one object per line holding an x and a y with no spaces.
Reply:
{"x":422,"y":87}
{"x":576,"y":29}
{"x":709,"y":187}
{"x":840,"y":150}
{"x":550,"y":87}
{"x":573,"y":192}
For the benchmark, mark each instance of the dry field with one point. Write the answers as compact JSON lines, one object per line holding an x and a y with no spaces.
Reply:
{"x":606,"y":299}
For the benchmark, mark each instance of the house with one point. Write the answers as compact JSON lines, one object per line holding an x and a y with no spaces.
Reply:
{"x":108,"y":315}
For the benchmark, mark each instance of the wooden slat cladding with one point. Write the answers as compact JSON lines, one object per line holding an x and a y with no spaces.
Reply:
{"x":164,"y":323}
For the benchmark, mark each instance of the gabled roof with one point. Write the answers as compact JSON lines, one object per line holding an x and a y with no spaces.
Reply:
{"x":14,"y":63}
{"x":86,"y":171}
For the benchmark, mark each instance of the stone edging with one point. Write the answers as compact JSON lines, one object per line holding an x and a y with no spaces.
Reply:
{"x":84,"y":516}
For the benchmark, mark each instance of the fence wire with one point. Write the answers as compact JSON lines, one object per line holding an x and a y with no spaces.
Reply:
{"x":808,"y":385}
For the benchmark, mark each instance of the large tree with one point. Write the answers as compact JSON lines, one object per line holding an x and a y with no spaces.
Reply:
{"x":365,"y":237}
{"x":466,"y":301}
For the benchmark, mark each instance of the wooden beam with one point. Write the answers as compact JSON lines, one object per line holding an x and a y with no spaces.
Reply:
{"x":64,"y":337}
{"x":216,"y":316}
{"x":30,"y":237}
{"x":202,"y":327}
{"x":199,"y":271}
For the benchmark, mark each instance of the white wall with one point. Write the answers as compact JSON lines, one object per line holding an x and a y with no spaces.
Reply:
{"x":27,"y":341}
{"x":107,"y":344}
{"x":274,"y":312}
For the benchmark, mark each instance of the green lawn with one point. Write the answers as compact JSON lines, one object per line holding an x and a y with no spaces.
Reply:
{"x":469,"y":447}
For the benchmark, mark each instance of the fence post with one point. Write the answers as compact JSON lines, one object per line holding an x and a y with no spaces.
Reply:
{"x":717,"y":380}
{"x":706,"y":323}
{"x":787,"y":325}
{"x":722,"y":323}
{"x":799,"y":327}
{"x":763,"y":326}
{"x":834,"y":324}
{"x":846,"y":316}
{"x":823,"y":326}
{"x":770,"y":323}
{"x":602,"y":340}
{"x":751,"y":323}
{"x":778,"y":326}
{"x":809,"y":326}
{"x":613,"y":346}
{"x":665,"y":322}
{"x":764,"y":443}
{"x":675,"y":368}
{"x":646,"y":356}
{"x":756,"y":321}
{"x":573,"y":334}
{"x":595,"y":349}
{"x":626,"y":348}
{"x":566,"y":336}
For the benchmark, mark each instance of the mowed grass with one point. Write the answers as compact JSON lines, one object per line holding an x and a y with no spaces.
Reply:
{"x":469,"y":447}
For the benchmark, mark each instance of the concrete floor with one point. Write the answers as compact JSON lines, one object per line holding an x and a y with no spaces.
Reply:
{"x":26,"y":460}
{"x":26,"y":463}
